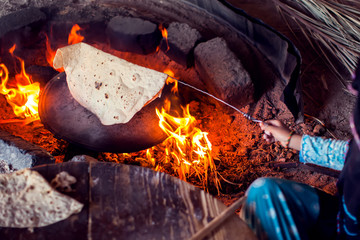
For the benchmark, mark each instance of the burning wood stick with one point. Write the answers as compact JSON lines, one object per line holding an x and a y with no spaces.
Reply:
{"x":218,"y":220}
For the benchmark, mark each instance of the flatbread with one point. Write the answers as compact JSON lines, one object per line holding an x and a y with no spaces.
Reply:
{"x":27,"y":200}
{"x":111,"y":88}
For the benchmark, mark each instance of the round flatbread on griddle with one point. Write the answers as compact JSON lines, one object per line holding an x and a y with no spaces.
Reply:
{"x":110,"y":87}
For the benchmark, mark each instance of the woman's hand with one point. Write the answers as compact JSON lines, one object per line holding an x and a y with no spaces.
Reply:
{"x":275,"y":130}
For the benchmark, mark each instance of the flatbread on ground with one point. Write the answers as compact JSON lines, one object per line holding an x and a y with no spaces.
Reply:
{"x":27,"y":200}
{"x":111,"y":88}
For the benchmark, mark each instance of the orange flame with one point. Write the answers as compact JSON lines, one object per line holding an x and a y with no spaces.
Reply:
{"x":22,"y":94}
{"x":12,"y":49}
{"x":187,"y":147}
{"x":74,"y":36}
{"x":171,"y":79}
{"x":164,"y":33}
{"x":50,"y":53}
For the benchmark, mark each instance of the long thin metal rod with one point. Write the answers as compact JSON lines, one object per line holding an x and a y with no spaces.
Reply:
{"x":218,"y":99}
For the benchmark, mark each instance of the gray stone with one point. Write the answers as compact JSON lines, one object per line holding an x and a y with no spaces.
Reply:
{"x":222,"y":72}
{"x":128,"y":34}
{"x":19,"y":2}
{"x":19,"y":154}
{"x":180,"y":43}
{"x":19,"y":19}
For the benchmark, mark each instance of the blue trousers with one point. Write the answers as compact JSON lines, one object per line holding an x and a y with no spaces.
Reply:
{"x":282,"y":209}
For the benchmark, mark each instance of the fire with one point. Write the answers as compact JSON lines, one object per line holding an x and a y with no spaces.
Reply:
{"x":21,"y":92}
{"x":187,"y":149}
{"x":74,"y":36}
{"x":50,"y":53}
{"x":171,"y":79}
{"x":164,"y":34}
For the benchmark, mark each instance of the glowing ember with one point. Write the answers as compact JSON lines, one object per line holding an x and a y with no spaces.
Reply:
{"x":21,"y":92}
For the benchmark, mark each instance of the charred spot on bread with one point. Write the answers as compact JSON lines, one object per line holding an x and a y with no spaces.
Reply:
{"x":98,"y":85}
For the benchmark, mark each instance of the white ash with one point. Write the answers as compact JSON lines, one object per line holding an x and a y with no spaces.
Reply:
{"x":13,"y":157}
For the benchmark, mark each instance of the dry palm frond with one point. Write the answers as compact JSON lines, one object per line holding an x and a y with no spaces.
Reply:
{"x":334,"y":24}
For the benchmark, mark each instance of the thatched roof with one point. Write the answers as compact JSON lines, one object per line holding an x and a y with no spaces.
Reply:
{"x":333,"y":24}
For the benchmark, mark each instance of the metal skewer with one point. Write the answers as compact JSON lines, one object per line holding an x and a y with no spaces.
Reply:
{"x":218,"y":99}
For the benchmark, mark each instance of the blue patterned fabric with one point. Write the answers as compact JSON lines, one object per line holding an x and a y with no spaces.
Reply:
{"x":280,"y":209}
{"x":348,"y":221}
{"x":324,"y":152}
{"x":349,"y":191}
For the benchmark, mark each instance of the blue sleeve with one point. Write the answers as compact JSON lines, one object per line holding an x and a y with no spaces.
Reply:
{"x":328,"y":153}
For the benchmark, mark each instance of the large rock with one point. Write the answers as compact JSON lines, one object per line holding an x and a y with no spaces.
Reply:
{"x":222,"y":72}
{"x":19,"y":19}
{"x":128,"y":34}
{"x":180,"y":43}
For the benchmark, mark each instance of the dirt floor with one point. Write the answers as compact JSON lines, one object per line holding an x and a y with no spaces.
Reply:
{"x":239,"y":152}
{"x":327,"y":105}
